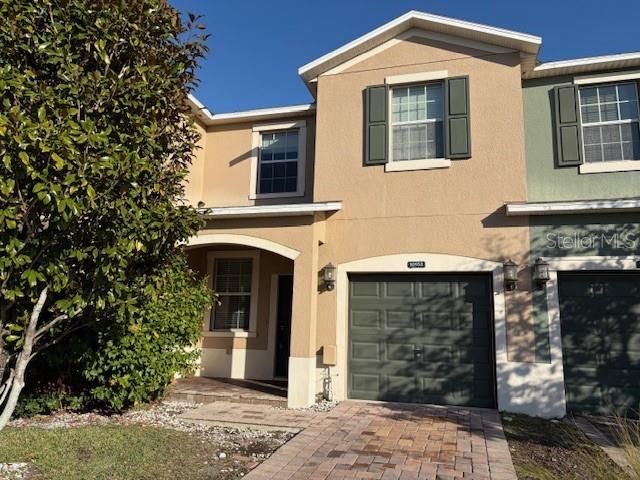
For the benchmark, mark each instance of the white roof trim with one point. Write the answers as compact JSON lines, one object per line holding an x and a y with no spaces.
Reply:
{"x":247,"y":115}
{"x":287,"y":210}
{"x":578,"y":206}
{"x":198,"y":108}
{"x":199,"y":105}
{"x":587,"y":61}
{"x":262,"y":113}
{"x":426,"y":21}
{"x":587,"y":64}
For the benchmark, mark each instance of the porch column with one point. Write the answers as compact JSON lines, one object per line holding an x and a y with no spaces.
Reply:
{"x":302,"y":359}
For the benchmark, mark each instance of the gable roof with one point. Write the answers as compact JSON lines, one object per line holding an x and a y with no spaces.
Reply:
{"x":523,"y":42}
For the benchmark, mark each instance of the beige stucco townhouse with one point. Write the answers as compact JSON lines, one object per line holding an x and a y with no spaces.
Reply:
{"x":358,"y":243}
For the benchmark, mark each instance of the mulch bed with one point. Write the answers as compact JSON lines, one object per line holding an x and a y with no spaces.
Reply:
{"x":551,"y":449}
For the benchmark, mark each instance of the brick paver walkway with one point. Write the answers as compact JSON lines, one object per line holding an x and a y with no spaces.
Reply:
{"x":224,"y":413}
{"x":207,"y":390}
{"x":394,"y":442}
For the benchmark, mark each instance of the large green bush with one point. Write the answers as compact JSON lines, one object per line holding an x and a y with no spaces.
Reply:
{"x":136,"y":357}
{"x":95,"y":144}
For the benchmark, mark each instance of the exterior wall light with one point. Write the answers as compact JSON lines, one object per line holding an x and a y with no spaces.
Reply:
{"x":329,"y":276}
{"x":510,"y":270}
{"x":540,"y":273}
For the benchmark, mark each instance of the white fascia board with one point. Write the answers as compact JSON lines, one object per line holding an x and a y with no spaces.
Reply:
{"x":261,"y":113}
{"x":578,"y":62}
{"x":579,"y":65}
{"x":287,"y":210}
{"x":579,"y":206}
{"x":248,"y":115}
{"x":198,"y":108}
{"x":415,"y":17}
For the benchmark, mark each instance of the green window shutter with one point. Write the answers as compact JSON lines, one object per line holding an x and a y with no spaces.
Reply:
{"x":568,"y":130}
{"x":456,"y":116}
{"x":375,"y":125}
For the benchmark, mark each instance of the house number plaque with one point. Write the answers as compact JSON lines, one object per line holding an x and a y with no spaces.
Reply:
{"x":416,"y":264}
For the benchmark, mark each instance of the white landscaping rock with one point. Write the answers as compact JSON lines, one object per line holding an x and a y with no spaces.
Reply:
{"x":13,"y":471}
{"x":244,"y":441}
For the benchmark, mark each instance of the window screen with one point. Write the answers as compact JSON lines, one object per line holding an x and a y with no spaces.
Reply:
{"x":610,"y":117}
{"x":417,"y":122}
{"x":232,"y":284}
{"x":278,"y":169}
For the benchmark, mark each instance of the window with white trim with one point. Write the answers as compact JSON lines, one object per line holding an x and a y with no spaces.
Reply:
{"x":610,"y":122}
{"x":417,"y":120}
{"x":278,"y":162}
{"x":233,"y":284}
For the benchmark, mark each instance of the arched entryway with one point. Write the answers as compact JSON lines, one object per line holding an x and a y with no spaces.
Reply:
{"x":247,"y":334}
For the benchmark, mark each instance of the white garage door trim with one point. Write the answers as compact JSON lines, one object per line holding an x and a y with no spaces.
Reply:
{"x":555,"y":370}
{"x":434,"y":263}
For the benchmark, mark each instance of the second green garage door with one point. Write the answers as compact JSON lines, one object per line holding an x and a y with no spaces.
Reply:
{"x":600,"y":322}
{"x":422,"y":338}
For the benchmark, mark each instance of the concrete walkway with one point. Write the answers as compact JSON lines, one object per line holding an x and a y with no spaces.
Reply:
{"x":377,"y":441}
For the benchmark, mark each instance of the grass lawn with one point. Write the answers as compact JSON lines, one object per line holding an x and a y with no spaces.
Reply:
{"x":119,"y":452}
{"x":546,"y":450}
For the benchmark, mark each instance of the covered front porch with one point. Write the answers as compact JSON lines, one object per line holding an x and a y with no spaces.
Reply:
{"x":207,"y":390}
{"x":253,"y":336}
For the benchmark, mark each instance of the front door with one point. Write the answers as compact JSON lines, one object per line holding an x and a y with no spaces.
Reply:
{"x":283,"y":325}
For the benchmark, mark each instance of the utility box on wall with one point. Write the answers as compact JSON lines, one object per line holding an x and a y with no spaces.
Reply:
{"x":329,"y":355}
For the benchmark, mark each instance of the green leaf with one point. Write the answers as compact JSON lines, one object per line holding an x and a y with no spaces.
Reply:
{"x":31,"y":276}
{"x":58,"y":161}
{"x":24,"y":158}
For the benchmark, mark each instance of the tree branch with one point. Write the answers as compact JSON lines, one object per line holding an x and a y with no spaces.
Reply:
{"x":59,"y":338}
{"x":6,"y":388}
{"x":44,"y":329}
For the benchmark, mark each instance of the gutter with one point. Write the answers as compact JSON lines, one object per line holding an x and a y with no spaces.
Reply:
{"x":628,"y":205}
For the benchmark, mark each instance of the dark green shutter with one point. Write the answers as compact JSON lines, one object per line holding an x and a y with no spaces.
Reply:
{"x":457,"y":125}
{"x":568,"y":134}
{"x":375,"y":119}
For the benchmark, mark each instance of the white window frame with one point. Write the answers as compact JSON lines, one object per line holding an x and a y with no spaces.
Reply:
{"x":253,"y":303}
{"x":420,"y":164}
{"x":600,"y":80}
{"x":301,"y":126}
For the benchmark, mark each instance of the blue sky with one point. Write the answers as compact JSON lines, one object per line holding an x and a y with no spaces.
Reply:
{"x":257,"y":46}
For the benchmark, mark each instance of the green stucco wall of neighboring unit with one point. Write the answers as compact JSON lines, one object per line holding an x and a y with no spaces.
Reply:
{"x":546,"y":181}
{"x":613,"y":234}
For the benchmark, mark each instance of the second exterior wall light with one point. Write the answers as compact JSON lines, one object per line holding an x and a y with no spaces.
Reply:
{"x":510,"y":272}
{"x":540,"y":273}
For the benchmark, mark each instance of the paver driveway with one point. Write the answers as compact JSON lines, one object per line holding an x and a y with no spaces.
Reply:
{"x":394,"y":441}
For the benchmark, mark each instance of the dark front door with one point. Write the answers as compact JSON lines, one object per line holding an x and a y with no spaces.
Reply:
{"x":600,"y":322}
{"x":283,"y":325}
{"x":422,"y":338}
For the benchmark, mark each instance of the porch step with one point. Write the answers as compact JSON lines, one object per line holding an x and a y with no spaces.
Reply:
{"x":209,"y":390}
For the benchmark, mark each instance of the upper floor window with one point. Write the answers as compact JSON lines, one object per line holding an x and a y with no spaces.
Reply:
{"x":610,"y":122}
{"x":278,"y":160}
{"x":417,"y":122}
{"x":278,"y":171}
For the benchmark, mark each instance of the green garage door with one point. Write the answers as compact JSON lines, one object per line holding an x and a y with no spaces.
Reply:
{"x":600,"y":322}
{"x":421,"y":338}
